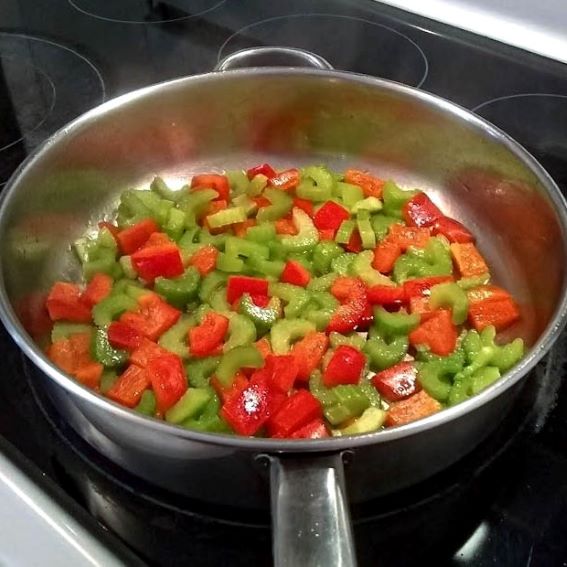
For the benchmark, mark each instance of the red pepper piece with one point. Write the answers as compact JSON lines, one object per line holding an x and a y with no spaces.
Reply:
{"x":157,"y":239}
{"x":241,"y":228}
{"x":248,"y":410}
{"x":491,"y":305}
{"x":153,"y":317}
{"x":145,"y":352}
{"x":260,"y":300}
{"x":315,"y":429}
{"x":304,"y":205}
{"x":156,"y":261}
{"x":285,"y":226}
{"x":112,"y":228}
{"x":406,"y":236}
{"x":89,"y":374}
{"x":420,"y":305}
{"x":385,"y":256}
{"x":261,"y":201}
{"x":130,"y":386}
{"x":367,"y":318}
{"x":97,"y":289}
{"x":281,"y":370}
{"x":453,"y":230}
{"x":397,"y":382}
{"x":327,"y":234}
{"x":212,"y":181}
{"x":205,"y":259}
{"x":416,"y":407}
{"x":168,"y":379}
{"x":438,"y":333}
{"x":330,"y":216}
{"x":354,"y":243}
{"x":209,"y":335}
{"x":370,"y":185}
{"x":345,"y":367}
{"x":239,"y":285}
{"x":296,"y":274}
{"x":135,"y":236}
{"x":239,"y":382}
{"x":64,"y":302}
{"x":298,"y":410}
{"x":351,"y":292}
{"x":263,"y":169}
{"x":420,"y":211}
{"x":264,"y":347}
{"x":386,"y":295}
{"x":420,"y":287}
{"x":121,"y":335}
{"x":288,"y":179}
{"x":468,"y":259}
{"x":308,"y":353}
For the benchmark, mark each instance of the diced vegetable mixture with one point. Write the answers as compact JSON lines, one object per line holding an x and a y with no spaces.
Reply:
{"x":291,"y":304}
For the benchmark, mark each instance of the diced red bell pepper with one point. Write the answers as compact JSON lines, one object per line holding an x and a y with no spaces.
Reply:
{"x":89,"y":374}
{"x":421,"y":211}
{"x":130,"y":386}
{"x":345,"y":367}
{"x":260,"y":300}
{"x":134,"y":237}
{"x":205,"y":338}
{"x":420,"y":306}
{"x":239,"y":382}
{"x":205,"y":259}
{"x":239,"y":285}
{"x":213,"y":181}
{"x":315,"y":429}
{"x":264,"y":347}
{"x":122,"y":336}
{"x":385,"y":256}
{"x":351,"y":292}
{"x":304,"y":205}
{"x":298,"y":410}
{"x":112,"y":228}
{"x":97,"y":289}
{"x":263,"y":169}
{"x":168,"y":379}
{"x":367,"y":319}
{"x":416,"y":407}
{"x":64,"y":303}
{"x":285,"y":226}
{"x":327,"y":234}
{"x":419,"y":287}
{"x":157,"y":239}
{"x":308,"y":353}
{"x":296,"y":274}
{"x":386,"y":295}
{"x":370,"y":185}
{"x":330,"y":216}
{"x":453,"y":230}
{"x":281,"y":370}
{"x":156,"y":261}
{"x":248,"y":410}
{"x":145,"y":352}
{"x":241,"y":228}
{"x":286,"y":180}
{"x":406,"y":236}
{"x":397,"y":382}
{"x":491,"y":305}
{"x":261,"y":201}
{"x":153,"y":317}
{"x":468,"y":259}
{"x":354,"y":243}
{"x":438,"y":333}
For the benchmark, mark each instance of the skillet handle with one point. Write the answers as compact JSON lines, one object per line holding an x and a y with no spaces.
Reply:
{"x":310,"y":516}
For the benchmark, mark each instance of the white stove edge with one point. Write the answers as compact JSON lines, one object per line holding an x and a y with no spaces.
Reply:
{"x":36,"y":531}
{"x":539,"y":27}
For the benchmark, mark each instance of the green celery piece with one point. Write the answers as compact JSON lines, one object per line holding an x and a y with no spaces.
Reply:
{"x":262,"y":317}
{"x":107,"y":380}
{"x":261,"y":233}
{"x":199,"y":371}
{"x":210,"y":283}
{"x":309,"y":190}
{"x":229,"y":264}
{"x":345,"y":231}
{"x":134,"y":290}
{"x":277,"y":250}
{"x":322,"y":283}
{"x":159,"y":186}
{"x":157,"y":206}
{"x":461,"y":389}
{"x":350,"y":401}
{"x":352,"y":339}
{"x":103,"y":352}
{"x":235,"y":359}
{"x":350,"y":194}
{"x":132,"y":209}
{"x":394,"y":324}
{"x":175,"y":338}
{"x":433,"y":260}
{"x":321,"y":175}
{"x":191,"y":403}
{"x":321,"y":307}
{"x":101,"y":260}
{"x":371,"y":420}
{"x":381,"y":225}
{"x":214,"y":424}
{"x":238,"y":181}
{"x":367,"y":236}
{"x":395,"y":198}
{"x":224,"y":217}
{"x":246,"y":203}
{"x":303,"y":258}
{"x":325,"y":395}
{"x":235,"y":246}
{"x":450,"y":295}
{"x":187,"y":242}
{"x":481,"y":350}
{"x":483,"y":378}
{"x":219,"y":303}
{"x":195,"y":203}
{"x":370,"y":205}
{"x":364,"y":214}
{"x":383,"y":354}
{"x":362,"y":268}
{"x":111,"y":308}
{"x":256,"y":185}
{"x":285,"y":331}
{"x":123,"y":286}
{"x":127,"y":267}
{"x":436,"y":378}
{"x":280,"y":207}
{"x":241,"y":331}
{"x":341,"y":265}
{"x":181,"y":290}
{"x":371,"y":393}
{"x":323,"y":254}
{"x":265,"y":268}
{"x":295,"y":296}
{"x":62,"y":330}
{"x":307,"y":235}
{"x":147,"y":404}
{"x":472,"y":282}
{"x":216,"y":240}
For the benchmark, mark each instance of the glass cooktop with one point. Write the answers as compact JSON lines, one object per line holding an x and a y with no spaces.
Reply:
{"x":505,"y":504}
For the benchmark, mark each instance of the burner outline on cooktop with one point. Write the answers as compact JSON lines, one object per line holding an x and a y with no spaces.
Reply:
{"x":73,"y":3}
{"x":422,"y":80}
{"x":515,"y":96}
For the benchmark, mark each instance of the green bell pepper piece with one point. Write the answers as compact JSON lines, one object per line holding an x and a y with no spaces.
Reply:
{"x":345,"y":231}
{"x":322,"y":283}
{"x":175,"y":338}
{"x":147,"y":404}
{"x":235,"y":359}
{"x":112,"y":307}
{"x":352,"y":339}
{"x":238,"y":181}
{"x":262,"y":317}
{"x":285,"y":331}
{"x":391,"y":325}
{"x":241,"y":331}
{"x":210,"y":283}
{"x":181,"y":290}
{"x":307,"y":235}
{"x":381,"y":225}
{"x":295,"y":296}
{"x":323,"y":254}
{"x":383,"y":354}
{"x":62,"y":330}
{"x":362,"y":268}
{"x":190,"y":405}
{"x":224,"y":217}
{"x":341,"y":265}
{"x":107,"y":380}
{"x":395,"y":198}
{"x":103,"y":352}
{"x":280,"y":207}
{"x":371,"y":420}
{"x":199,"y":371}
{"x":261,"y":233}
{"x":450,"y":295}
{"x":350,"y":194}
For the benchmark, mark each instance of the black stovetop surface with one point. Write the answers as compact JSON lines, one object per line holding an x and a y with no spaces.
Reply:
{"x":505,"y":504}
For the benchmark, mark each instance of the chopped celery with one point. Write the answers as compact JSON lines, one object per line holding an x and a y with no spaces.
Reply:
{"x":285,"y":331}
{"x":224,"y":217}
{"x":307,"y":235}
{"x":241,"y":331}
{"x":345,"y":231}
{"x":235,"y":359}
{"x":281,"y":205}
{"x":190,"y":405}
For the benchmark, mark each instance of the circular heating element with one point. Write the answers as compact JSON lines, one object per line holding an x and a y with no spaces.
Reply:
{"x":43,"y":85}
{"x":145,"y":11}
{"x":539,"y":122}
{"x":348,"y":43}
